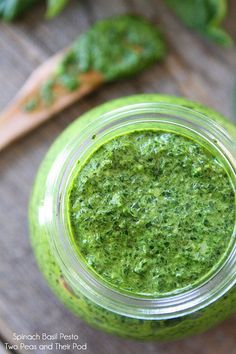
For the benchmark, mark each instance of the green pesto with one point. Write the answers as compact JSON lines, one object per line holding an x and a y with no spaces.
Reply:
{"x":31,"y":105}
{"x":116,"y":48}
{"x":152,"y":212}
{"x":210,"y":14}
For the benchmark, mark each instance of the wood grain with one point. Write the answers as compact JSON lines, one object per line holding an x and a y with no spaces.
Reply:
{"x":194,"y":68}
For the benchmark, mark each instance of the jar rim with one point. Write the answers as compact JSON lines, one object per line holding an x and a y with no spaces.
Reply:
{"x":85,"y":282}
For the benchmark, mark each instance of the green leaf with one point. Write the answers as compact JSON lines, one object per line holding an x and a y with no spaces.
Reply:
{"x":11,"y":9}
{"x":204,"y":16}
{"x":219,"y":36}
{"x":54,"y":7}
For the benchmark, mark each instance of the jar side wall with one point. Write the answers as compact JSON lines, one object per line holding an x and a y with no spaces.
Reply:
{"x":78,"y":276}
{"x":79,"y":124}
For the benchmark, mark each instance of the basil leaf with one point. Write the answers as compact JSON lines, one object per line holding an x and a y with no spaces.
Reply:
{"x":54,"y":7}
{"x":10,"y":9}
{"x":205,"y":16}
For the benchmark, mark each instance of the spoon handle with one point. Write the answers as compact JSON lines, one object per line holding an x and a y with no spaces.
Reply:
{"x":16,"y":120}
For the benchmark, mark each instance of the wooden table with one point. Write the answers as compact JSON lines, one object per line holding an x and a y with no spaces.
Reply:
{"x":194,"y":68}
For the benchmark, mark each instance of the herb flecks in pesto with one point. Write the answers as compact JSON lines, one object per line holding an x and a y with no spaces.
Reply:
{"x":152,"y":212}
{"x":115,"y":48}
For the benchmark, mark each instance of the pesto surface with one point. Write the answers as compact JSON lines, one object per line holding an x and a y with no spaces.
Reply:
{"x":152,"y":212}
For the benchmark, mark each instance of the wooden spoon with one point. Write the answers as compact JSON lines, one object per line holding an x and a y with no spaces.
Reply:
{"x":114,"y":48}
{"x":15,"y":120}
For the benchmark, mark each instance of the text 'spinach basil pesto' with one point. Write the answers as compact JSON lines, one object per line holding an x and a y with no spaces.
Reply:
{"x":132,"y":217}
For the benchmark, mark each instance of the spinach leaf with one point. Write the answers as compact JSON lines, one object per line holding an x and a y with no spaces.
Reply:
{"x":54,"y":7}
{"x":10,"y":9}
{"x":205,"y":16}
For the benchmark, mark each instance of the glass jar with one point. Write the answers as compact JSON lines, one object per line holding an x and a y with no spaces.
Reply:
{"x":143,"y":317}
